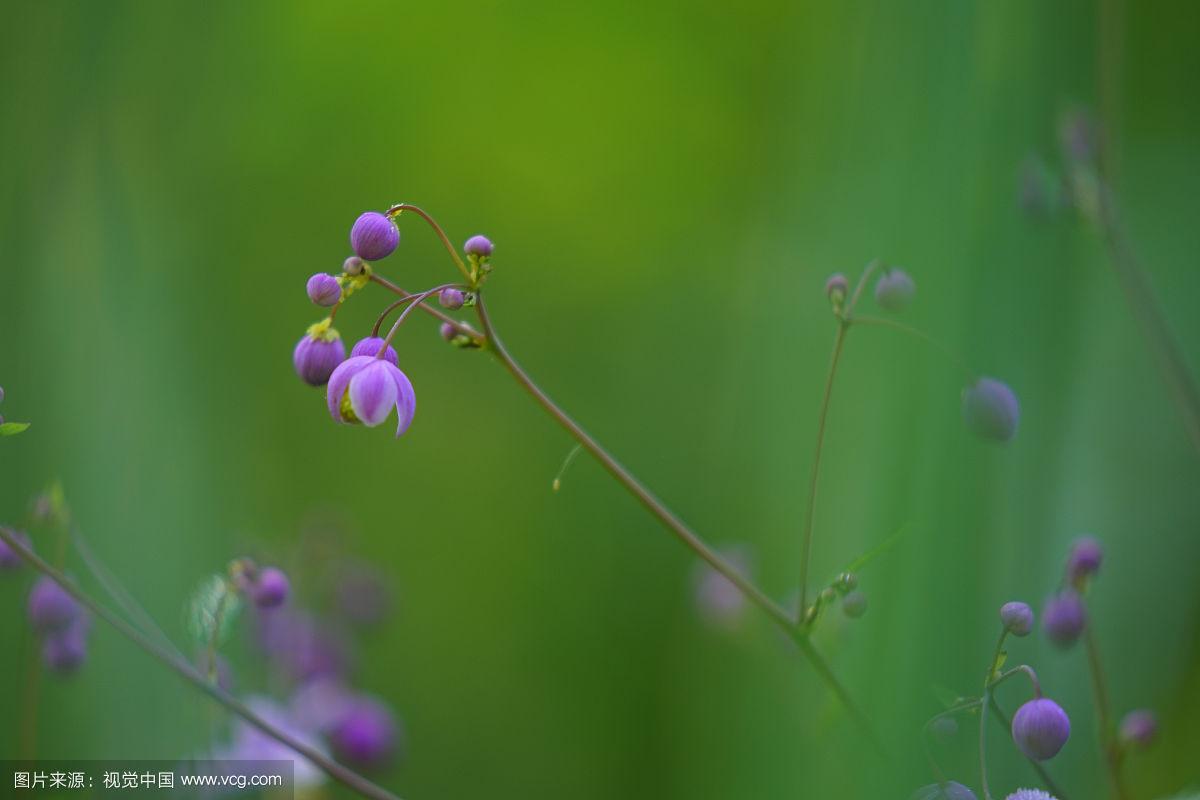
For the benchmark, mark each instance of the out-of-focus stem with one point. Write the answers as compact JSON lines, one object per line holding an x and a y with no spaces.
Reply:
{"x":1108,"y":747}
{"x":347,"y":777}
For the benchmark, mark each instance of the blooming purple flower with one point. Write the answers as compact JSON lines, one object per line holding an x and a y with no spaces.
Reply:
{"x":1017,"y":618}
{"x":370,"y":347}
{"x":364,"y":389}
{"x":894,"y":290}
{"x":1040,"y":728}
{"x":990,"y":409}
{"x":451,"y":298}
{"x":270,"y":588}
{"x":323,"y":289}
{"x":251,"y":744}
{"x":367,"y":734}
{"x":1030,"y":794}
{"x":1064,"y":618}
{"x":854,"y":604}
{"x":64,"y":650}
{"x":951,"y":790}
{"x":9,"y":560}
{"x":316,"y":356}
{"x":478,"y":245}
{"x":1139,"y":728}
{"x":374,"y":236}
{"x":1084,"y":560}
{"x":51,"y":608}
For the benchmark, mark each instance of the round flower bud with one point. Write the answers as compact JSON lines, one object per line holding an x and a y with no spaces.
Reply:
{"x":50,"y":606}
{"x":1017,"y":618}
{"x":854,"y":605}
{"x":316,"y":359}
{"x":1084,"y":560}
{"x":270,"y":588}
{"x":894,"y":290}
{"x":366,"y":735}
{"x":1040,"y":729}
{"x":353,"y":265}
{"x":63,"y":651}
{"x":836,"y":287}
{"x":448,"y":331}
{"x":9,"y":560}
{"x":1064,"y":618}
{"x":846,"y":582}
{"x":452,"y":299}
{"x":374,"y":236}
{"x":1030,"y":794}
{"x":478,"y":246}
{"x":370,"y":347}
{"x":950,"y":790}
{"x":1139,"y":728}
{"x":323,"y":289}
{"x":990,"y":410}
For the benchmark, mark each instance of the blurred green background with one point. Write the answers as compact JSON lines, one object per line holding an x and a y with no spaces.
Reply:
{"x":668,"y":186}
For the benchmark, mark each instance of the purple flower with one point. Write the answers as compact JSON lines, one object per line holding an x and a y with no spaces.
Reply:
{"x":367,"y":734}
{"x":1139,"y":728}
{"x":854,"y":604}
{"x":251,"y":744}
{"x":1030,"y":794}
{"x":990,"y":410}
{"x":364,"y":389}
{"x":370,"y":347}
{"x":478,"y":245}
{"x":374,"y":236}
{"x":9,"y":560}
{"x":451,"y":298}
{"x":51,"y":608}
{"x":270,"y":588}
{"x":304,"y":648}
{"x":1040,"y":729}
{"x":1084,"y":560}
{"x":719,"y":602}
{"x":316,"y":356}
{"x":951,"y":790}
{"x":1017,"y":618}
{"x":323,"y":289}
{"x":64,"y":650}
{"x":894,"y":290}
{"x":1064,"y":618}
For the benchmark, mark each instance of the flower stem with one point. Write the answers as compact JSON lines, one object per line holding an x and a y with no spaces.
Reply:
{"x":884,"y":322}
{"x":398,"y":209}
{"x":1103,"y":716}
{"x":347,"y":777}
{"x":428,"y":309}
{"x":669,"y":520}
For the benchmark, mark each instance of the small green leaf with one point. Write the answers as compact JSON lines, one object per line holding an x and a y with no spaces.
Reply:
{"x":12,"y":428}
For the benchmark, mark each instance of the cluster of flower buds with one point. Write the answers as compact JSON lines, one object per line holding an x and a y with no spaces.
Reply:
{"x":61,"y":623}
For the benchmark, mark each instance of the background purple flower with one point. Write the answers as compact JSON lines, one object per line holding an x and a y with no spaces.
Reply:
{"x":323,"y":289}
{"x":1017,"y":618}
{"x":1139,"y":727}
{"x":9,"y":560}
{"x":990,"y":410}
{"x":65,"y":649}
{"x":270,"y":588}
{"x":1084,"y":559}
{"x":367,"y":733}
{"x":1064,"y":618}
{"x":894,"y":290}
{"x":719,"y":602}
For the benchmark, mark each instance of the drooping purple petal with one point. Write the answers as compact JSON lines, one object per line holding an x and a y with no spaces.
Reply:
{"x":373,"y":392}
{"x":406,"y":401}
{"x":338,"y":382}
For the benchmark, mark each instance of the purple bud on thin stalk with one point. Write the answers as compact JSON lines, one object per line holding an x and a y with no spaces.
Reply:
{"x":1064,"y":618}
{"x":1139,"y":728}
{"x":9,"y":559}
{"x":950,"y":790}
{"x":452,"y":299}
{"x":854,"y":604}
{"x":316,"y":358}
{"x":374,"y":236}
{"x":370,"y":347}
{"x":990,"y":410}
{"x":270,"y":588}
{"x":1017,"y":618}
{"x":51,"y":608}
{"x":367,"y":734}
{"x":323,"y":289}
{"x":894,"y":290}
{"x":64,"y":651}
{"x":478,"y":245}
{"x":353,"y":265}
{"x":1084,"y":559}
{"x":1040,"y":728}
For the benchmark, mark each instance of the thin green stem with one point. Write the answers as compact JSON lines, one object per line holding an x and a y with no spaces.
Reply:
{"x":983,"y":708}
{"x":814,"y":476}
{"x":347,"y":777}
{"x":1108,"y":748}
{"x":669,"y":520}
{"x":884,"y":322}
{"x":398,"y":209}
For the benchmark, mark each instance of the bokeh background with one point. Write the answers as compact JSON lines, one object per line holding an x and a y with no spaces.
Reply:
{"x":668,"y":185}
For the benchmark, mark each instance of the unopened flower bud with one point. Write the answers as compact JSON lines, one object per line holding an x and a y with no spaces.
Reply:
{"x":270,"y":588}
{"x":51,"y":607}
{"x":1040,"y":728}
{"x":323,"y":289}
{"x":1064,"y":618}
{"x":374,"y":236}
{"x":990,"y":410}
{"x":63,"y":651}
{"x":846,"y":582}
{"x":478,"y":245}
{"x":367,"y":733}
{"x":451,"y":298}
{"x":894,"y":290}
{"x":315,"y":358}
{"x":1017,"y":618}
{"x":448,"y":331}
{"x":854,"y":605}
{"x":1139,"y":728}
{"x":835,"y":289}
{"x":1084,"y":560}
